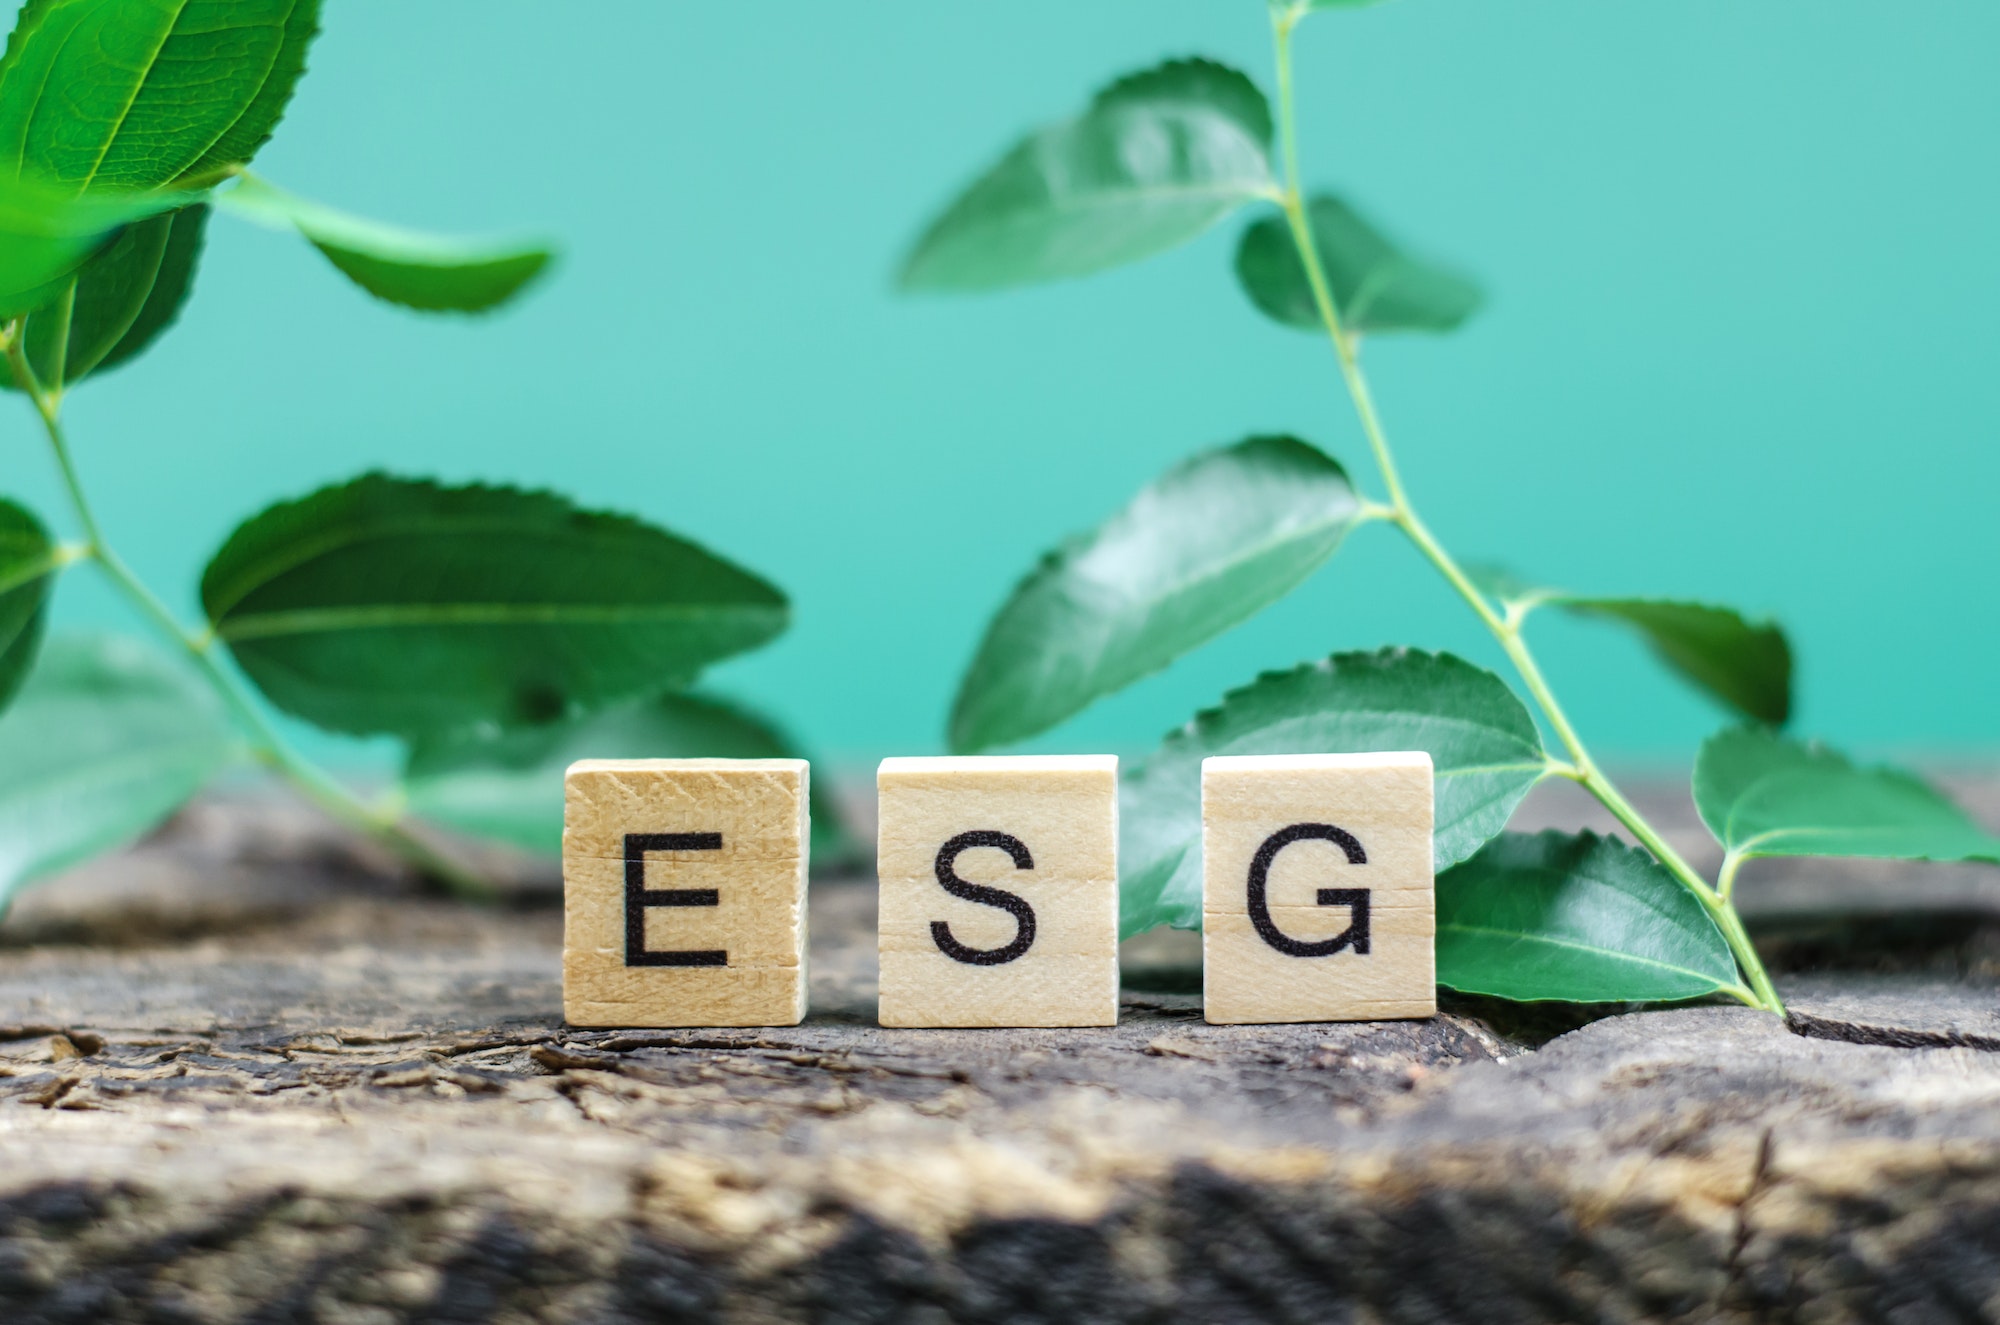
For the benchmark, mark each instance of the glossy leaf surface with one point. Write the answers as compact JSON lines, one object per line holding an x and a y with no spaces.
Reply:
{"x":1159,"y":157}
{"x":27,"y":574}
{"x":1375,"y":286}
{"x":134,"y":94}
{"x":107,"y":738}
{"x":509,"y":785}
{"x":401,"y":606}
{"x":125,"y":297}
{"x":417,"y":269}
{"x":1212,"y":542}
{"x":1574,"y":918}
{"x":1483,"y":745}
{"x":1763,"y":794}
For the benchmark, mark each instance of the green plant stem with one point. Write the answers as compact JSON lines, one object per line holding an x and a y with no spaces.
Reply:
{"x":266,"y":745}
{"x":1725,"y":882}
{"x":63,"y":313}
{"x":1506,"y":629}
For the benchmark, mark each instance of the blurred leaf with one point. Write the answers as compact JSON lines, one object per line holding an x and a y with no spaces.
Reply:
{"x":1481,"y":741}
{"x":401,"y":606}
{"x":106,"y":739}
{"x":132,"y":94}
{"x":27,"y":573}
{"x":1746,"y":665}
{"x":410,"y":267}
{"x":1498,"y":581}
{"x":1205,"y":83}
{"x":1763,"y":794}
{"x":46,"y":235}
{"x":1212,"y":542}
{"x":1555,"y":917}
{"x":1375,"y":287}
{"x":1158,"y":158}
{"x":509,"y":785}
{"x":125,"y":296}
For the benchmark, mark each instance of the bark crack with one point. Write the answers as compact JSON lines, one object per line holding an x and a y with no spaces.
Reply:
{"x":1892,"y":1037}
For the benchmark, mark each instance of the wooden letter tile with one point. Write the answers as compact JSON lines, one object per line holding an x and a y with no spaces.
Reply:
{"x":1317,"y":896}
{"x":684,"y":892}
{"x":999,"y":891}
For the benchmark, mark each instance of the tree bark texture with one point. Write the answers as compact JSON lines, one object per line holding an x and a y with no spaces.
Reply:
{"x":247,"y":1073}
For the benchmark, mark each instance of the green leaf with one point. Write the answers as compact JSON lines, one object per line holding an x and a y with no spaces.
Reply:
{"x":509,"y":785}
{"x":125,"y":297}
{"x":47,"y":235}
{"x":253,"y":128}
{"x":1159,"y":157}
{"x":1375,"y":286}
{"x":413,"y":268}
{"x":107,"y":738}
{"x":1763,"y":794}
{"x":1482,"y":743}
{"x":1580,"y":919}
{"x":1206,"y":83}
{"x":1498,"y":581}
{"x":401,"y":606}
{"x":135,"y":94}
{"x":171,"y":283}
{"x":1745,"y":665}
{"x":1209,"y":544}
{"x":28,"y":563}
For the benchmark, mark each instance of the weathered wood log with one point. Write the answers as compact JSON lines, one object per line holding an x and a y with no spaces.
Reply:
{"x":246,"y":1074}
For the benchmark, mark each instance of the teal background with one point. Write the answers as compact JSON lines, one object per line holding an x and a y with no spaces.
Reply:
{"x":1741,"y":341}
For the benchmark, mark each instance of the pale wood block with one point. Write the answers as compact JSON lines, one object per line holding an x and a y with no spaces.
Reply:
{"x":730,"y":996}
{"x":1068,"y":990}
{"x":999,"y":891}
{"x":756,"y":917}
{"x":684,"y":892}
{"x":761,"y":802}
{"x":1318,"y":898}
{"x":1243,"y":981}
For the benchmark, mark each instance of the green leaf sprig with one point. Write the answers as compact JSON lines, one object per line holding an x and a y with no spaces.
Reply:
{"x":1209,"y":544}
{"x":507,"y":784}
{"x":476,"y":620}
{"x":1159,"y":157}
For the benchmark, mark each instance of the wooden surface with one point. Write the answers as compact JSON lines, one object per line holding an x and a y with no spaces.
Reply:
{"x":249,"y":1077}
{"x":715,"y":849}
{"x":1028,"y":847}
{"x":1305,"y":920}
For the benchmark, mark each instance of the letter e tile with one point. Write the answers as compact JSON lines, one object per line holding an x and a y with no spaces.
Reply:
{"x":684,"y":892}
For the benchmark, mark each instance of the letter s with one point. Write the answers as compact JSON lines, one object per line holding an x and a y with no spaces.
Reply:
{"x":1012,"y":903}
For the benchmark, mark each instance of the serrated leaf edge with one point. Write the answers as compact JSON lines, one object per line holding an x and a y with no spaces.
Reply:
{"x":1072,"y":546}
{"x":560,"y":505}
{"x":1591,"y":841}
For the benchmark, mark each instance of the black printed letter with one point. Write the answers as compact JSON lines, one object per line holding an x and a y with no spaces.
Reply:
{"x":638,"y":897}
{"x":1012,"y":903}
{"x":1355,"y":936}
